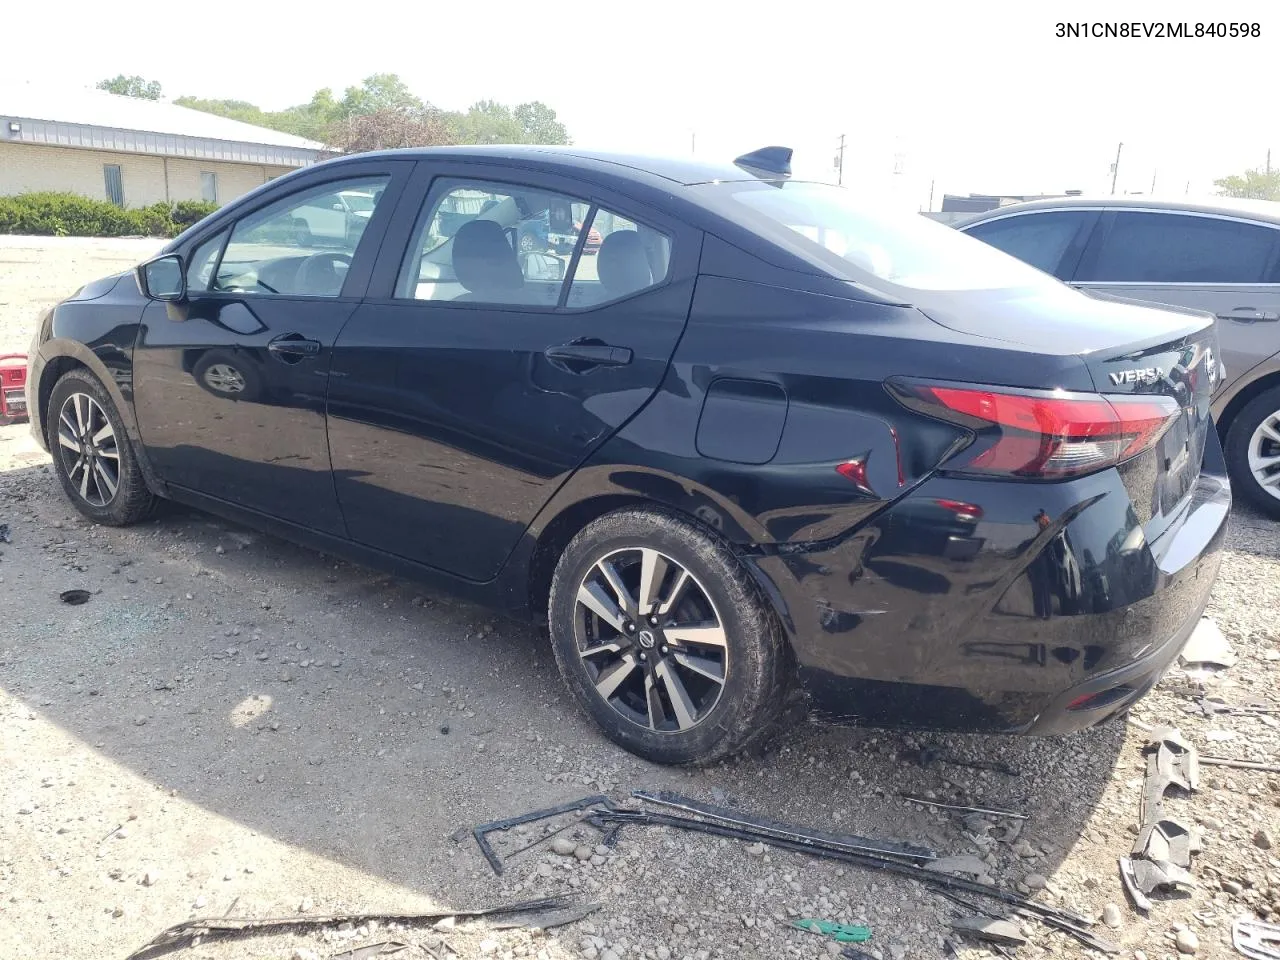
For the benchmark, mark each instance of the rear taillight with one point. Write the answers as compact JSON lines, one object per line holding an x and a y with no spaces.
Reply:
{"x":1040,"y":434}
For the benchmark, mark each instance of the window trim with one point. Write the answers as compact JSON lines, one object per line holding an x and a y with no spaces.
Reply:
{"x":1101,"y":230}
{"x":396,"y":178}
{"x":457,"y":173}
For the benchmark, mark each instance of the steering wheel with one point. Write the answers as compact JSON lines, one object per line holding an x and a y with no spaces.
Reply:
{"x":318,"y":274}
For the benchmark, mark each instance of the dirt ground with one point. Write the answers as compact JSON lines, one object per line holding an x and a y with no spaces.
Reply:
{"x":266,"y":727}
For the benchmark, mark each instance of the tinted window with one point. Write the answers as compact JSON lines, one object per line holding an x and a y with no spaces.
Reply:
{"x":1039,"y":239}
{"x":863,"y":241}
{"x":301,"y":245}
{"x":1176,"y":248}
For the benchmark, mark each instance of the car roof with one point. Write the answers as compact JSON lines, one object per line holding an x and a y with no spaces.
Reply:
{"x":1267,"y":211}
{"x":686,"y":171}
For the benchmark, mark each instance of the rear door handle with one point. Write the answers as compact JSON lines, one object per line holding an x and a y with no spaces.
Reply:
{"x":594,"y":354}
{"x":291,"y":345}
{"x":1249,"y":315}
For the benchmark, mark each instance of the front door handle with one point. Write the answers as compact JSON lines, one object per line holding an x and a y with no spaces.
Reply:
{"x":589,"y":355}
{"x":1249,"y":315}
{"x":293,"y":347}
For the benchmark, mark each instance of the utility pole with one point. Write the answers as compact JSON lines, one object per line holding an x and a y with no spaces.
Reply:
{"x":840,"y":163}
{"x":693,"y":142}
{"x":1153,"y":180}
{"x":931,"y":183}
{"x":1115,"y":169}
{"x":1268,"y":161}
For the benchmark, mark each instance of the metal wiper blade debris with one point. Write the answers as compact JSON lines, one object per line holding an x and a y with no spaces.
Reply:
{"x":180,"y":935}
{"x":787,"y":831}
{"x":1070,"y":923}
{"x":962,"y":809}
{"x":481,"y":833}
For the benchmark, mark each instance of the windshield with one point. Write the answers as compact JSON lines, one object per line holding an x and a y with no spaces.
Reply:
{"x":903,"y":249}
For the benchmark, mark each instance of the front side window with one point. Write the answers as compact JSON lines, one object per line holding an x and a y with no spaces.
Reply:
{"x":1040,"y":239}
{"x":506,"y":244}
{"x":1146,"y":247}
{"x":202,"y":261}
{"x":300,"y":246}
{"x":863,"y":242}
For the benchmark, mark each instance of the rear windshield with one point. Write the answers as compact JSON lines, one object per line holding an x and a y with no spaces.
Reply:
{"x":837,"y":227}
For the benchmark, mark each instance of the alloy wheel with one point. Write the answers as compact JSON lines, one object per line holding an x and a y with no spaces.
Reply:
{"x":652,"y":642}
{"x":88,"y":448}
{"x":1264,"y":454}
{"x":224,"y":378}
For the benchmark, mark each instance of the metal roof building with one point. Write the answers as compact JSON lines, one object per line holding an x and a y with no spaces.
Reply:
{"x":133,"y":151}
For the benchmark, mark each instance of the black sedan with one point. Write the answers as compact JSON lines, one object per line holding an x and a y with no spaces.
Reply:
{"x":769,"y":448}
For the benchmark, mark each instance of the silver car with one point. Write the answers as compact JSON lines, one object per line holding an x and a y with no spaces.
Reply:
{"x":1222,"y":257}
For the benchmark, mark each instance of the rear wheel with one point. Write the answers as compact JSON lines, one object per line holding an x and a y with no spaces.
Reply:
{"x":92,"y":454}
{"x":665,"y":640}
{"x":1253,"y":452}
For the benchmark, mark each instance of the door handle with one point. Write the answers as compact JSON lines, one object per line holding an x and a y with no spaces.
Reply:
{"x":589,"y":354}
{"x":1249,"y":315}
{"x":292,"y":345}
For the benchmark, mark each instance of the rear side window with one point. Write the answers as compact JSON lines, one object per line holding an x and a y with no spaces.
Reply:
{"x":1040,"y":239}
{"x":859,"y":239}
{"x":1179,"y":248}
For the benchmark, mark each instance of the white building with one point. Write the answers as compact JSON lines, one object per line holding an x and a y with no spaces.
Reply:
{"x":135,"y":152}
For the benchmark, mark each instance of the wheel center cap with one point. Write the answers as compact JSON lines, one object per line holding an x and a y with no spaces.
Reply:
{"x":646,"y":639}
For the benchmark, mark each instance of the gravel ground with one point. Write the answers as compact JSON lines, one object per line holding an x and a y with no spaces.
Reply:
{"x":266,"y":727}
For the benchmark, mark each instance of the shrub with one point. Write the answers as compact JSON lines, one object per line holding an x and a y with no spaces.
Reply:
{"x":71,"y":215}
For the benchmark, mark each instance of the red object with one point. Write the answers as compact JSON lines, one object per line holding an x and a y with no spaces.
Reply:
{"x":594,"y":240}
{"x":856,"y":471}
{"x":1053,"y":435}
{"x":13,"y":387}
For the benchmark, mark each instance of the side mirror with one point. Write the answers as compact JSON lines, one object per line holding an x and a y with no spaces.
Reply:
{"x":163,"y":278}
{"x":542,"y":266}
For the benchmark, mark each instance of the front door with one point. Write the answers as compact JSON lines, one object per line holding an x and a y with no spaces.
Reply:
{"x":1218,"y":264}
{"x":497,"y":360}
{"x":230,"y":384}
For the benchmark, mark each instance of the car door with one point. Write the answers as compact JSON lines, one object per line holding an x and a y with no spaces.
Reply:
{"x":1224,"y":265}
{"x":476,"y":376}
{"x":230,"y":384}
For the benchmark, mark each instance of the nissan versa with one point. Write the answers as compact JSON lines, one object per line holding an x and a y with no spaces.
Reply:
{"x":766,"y":449}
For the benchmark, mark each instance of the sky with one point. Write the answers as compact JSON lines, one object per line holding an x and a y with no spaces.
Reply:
{"x":957,"y":97}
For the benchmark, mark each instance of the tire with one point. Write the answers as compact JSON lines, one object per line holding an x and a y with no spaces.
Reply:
{"x":696,"y":719}
{"x":90,"y":487}
{"x":1248,"y":436}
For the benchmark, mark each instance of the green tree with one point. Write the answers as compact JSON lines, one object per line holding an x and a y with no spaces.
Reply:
{"x":133,"y":86}
{"x":381,"y":91}
{"x":1253,"y":184}
{"x":539,"y":124}
{"x":232,"y":109}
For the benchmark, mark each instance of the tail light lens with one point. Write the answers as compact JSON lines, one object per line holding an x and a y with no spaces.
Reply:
{"x":1044,"y":434}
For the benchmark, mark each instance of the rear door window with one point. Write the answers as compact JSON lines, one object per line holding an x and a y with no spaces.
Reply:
{"x":1040,"y":239}
{"x":1146,"y":247}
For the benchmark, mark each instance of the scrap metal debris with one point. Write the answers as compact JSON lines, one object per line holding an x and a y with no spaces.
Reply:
{"x":1212,"y":706}
{"x":786,"y":831}
{"x":1240,"y":764}
{"x":384,"y":949}
{"x":75,"y":597}
{"x":1057,"y":918}
{"x":183,"y":934}
{"x":481,"y":833}
{"x":961,"y":809}
{"x":548,"y":919}
{"x":1161,"y":855}
{"x":1004,"y":932}
{"x":1256,"y":939}
{"x":1208,"y":646}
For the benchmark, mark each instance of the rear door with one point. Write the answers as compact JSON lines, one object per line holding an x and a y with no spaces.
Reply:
{"x":1050,"y":240}
{"x":484,"y":366}
{"x":1225,"y":266}
{"x":229,"y":386}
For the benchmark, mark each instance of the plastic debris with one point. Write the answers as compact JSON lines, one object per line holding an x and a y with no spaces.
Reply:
{"x":839,"y":932}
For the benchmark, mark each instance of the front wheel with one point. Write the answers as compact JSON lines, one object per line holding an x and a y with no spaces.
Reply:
{"x":1253,"y":452}
{"x":92,"y":454}
{"x":665,"y":640}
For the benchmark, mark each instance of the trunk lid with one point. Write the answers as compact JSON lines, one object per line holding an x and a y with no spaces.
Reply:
{"x":1130,"y":349}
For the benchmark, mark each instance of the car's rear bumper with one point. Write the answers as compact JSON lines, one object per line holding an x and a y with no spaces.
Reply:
{"x":1015,"y":625}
